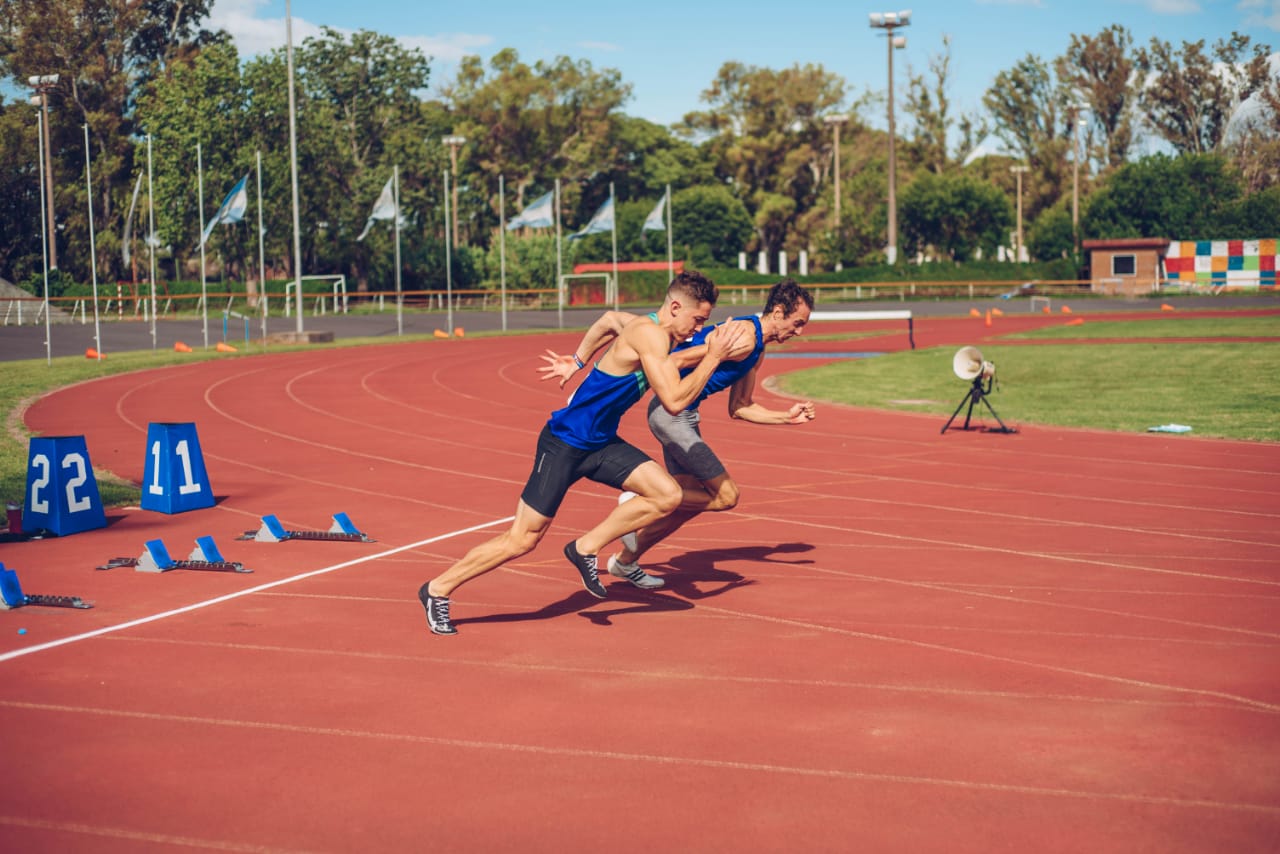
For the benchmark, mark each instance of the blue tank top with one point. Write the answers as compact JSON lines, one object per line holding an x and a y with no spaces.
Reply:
{"x":590,"y":419}
{"x":726,"y":373}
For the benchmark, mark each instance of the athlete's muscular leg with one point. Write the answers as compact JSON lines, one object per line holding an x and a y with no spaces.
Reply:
{"x":525,"y":533}
{"x":657,"y":494}
{"x":719,"y":493}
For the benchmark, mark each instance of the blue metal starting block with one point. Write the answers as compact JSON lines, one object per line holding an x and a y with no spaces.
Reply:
{"x":343,"y":530}
{"x":155,"y":558}
{"x":13,"y":597}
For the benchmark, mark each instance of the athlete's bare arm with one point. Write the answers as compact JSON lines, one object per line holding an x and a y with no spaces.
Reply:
{"x":743,"y":406}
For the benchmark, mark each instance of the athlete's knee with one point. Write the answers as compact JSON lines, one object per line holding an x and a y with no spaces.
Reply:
{"x":519,"y":543}
{"x":667,"y":496}
{"x":725,"y":498}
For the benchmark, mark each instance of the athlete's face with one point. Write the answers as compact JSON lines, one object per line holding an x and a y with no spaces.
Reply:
{"x":789,"y":326}
{"x":689,"y":318}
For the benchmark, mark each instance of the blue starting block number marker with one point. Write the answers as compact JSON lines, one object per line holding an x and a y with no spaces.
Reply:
{"x":62,"y":493}
{"x":175,"y":479}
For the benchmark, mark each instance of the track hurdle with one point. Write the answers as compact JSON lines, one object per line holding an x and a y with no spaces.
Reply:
{"x":901,"y":314}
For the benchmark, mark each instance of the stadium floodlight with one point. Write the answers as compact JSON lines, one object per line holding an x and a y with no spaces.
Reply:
{"x":890,"y":21}
{"x":454,"y":141}
{"x":969,"y":365}
{"x":43,"y":83}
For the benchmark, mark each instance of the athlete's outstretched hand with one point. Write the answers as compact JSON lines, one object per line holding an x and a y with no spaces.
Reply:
{"x":557,"y":367}
{"x":725,"y":337}
{"x":800,"y":413}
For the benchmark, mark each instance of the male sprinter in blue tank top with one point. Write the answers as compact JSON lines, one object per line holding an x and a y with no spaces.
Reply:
{"x":581,"y":440}
{"x":706,"y":483}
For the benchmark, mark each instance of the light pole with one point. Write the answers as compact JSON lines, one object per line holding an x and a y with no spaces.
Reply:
{"x":836,"y":121}
{"x":453,"y":142}
{"x":890,"y":21}
{"x":42,"y":84}
{"x":1077,"y":124}
{"x":1019,"y":171}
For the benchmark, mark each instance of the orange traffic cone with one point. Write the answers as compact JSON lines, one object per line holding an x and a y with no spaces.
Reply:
{"x":1079,"y":321}
{"x":440,"y":333}
{"x":973,"y":312}
{"x":224,"y":347}
{"x":459,"y":332}
{"x":997,"y":312}
{"x":1066,"y":309}
{"x":93,"y":354}
{"x":179,"y":347}
{"x":1164,"y":306}
{"x":1046,"y":310}
{"x":988,"y":321}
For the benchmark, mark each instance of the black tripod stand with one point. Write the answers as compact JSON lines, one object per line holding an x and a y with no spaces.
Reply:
{"x":977,"y":393}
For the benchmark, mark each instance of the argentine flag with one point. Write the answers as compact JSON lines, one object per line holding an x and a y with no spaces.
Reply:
{"x":383,"y":208}
{"x":232,"y":209}
{"x":656,"y":220}
{"x":602,"y":221}
{"x":540,"y":214}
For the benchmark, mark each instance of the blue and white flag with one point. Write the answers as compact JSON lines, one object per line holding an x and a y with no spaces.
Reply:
{"x":383,"y":208}
{"x":602,"y":221}
{"x":656,"y":220}
{"x":232,"y":209}
{"x":540,"y":214}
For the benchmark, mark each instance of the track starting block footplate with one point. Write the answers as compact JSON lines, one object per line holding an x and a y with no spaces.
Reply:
{"x":343,"y":531}
{"x":13,"y":597}
{"x":155,"y":558}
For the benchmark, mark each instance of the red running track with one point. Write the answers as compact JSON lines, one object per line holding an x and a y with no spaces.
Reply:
{"x":900,"y":641}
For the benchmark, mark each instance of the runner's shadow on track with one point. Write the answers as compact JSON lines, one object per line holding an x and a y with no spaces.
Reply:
{"x":699,"y":568}
{"x":581,"y":601}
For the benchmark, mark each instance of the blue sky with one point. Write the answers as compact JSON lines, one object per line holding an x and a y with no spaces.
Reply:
{"x":670,"y":51}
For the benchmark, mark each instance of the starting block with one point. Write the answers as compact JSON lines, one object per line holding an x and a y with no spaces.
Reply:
{"x":13,"y":597}
{"x":343,"y":531}
{"x":155,"y":558}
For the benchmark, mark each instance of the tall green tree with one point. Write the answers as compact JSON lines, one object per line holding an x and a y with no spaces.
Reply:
{"x":1181,"y":198}
{"x":103,"y":51}
{"x":1190,"y":94}
{"x":764,"y":129}
{"x":1101,"y":72}
{"x":954,"y":216}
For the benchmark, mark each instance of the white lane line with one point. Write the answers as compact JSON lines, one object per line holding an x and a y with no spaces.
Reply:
{"x":17,"y":653}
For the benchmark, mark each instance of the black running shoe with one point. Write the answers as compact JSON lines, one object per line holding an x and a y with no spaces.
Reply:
{"x":437,"y":612}
{"x":586,"y":565}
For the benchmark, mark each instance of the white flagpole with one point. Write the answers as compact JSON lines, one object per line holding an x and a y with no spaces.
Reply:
{"x":502,"y":247}
{"x":293,"y":163}
{"x":613,"y":203}
{"x":262,"y":261}
{"x":448,"y":259}
{"x":204,"y":291}
{"x":151,"y":241}
{"x":44,"y":242}
{"x":671,"y":269}
{"x":93,"y":255}
{"x":395,"y":224}
{"x":559,"y":271}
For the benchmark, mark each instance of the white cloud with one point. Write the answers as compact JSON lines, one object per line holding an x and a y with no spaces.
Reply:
{"x":1261,"y":13}
{"x":1036,"y":3}
{"x":608,"y":47}
{"x":1172,"y":7}
{"x":254,"y":35}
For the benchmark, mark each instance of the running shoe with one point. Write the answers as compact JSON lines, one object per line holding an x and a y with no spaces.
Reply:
{"x":629,"y":540}
{"x":633,"y":573}
{"x":437,"y":608}
{"x":586,"y":566}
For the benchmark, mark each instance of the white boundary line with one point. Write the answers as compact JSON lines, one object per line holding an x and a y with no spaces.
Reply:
{"x":236,"y":595}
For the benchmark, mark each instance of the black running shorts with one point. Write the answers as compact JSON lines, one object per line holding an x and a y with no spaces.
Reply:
{"x":557,"y":466}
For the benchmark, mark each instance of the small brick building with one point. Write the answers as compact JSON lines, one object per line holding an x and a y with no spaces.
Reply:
{"x":1126,"y":266}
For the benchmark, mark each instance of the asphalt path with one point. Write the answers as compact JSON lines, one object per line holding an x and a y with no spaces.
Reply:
{"x":72,"y":337}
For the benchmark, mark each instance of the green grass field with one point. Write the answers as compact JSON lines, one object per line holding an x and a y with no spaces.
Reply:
{"x":1220,"y":389}
{"x":1227,"y":389}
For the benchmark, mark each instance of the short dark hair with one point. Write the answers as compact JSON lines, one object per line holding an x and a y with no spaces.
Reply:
{"x":789,"y":295}
{"x":695,"y":286}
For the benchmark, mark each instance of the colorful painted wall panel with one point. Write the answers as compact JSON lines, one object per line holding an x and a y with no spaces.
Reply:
{"x":1223,"y":263}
